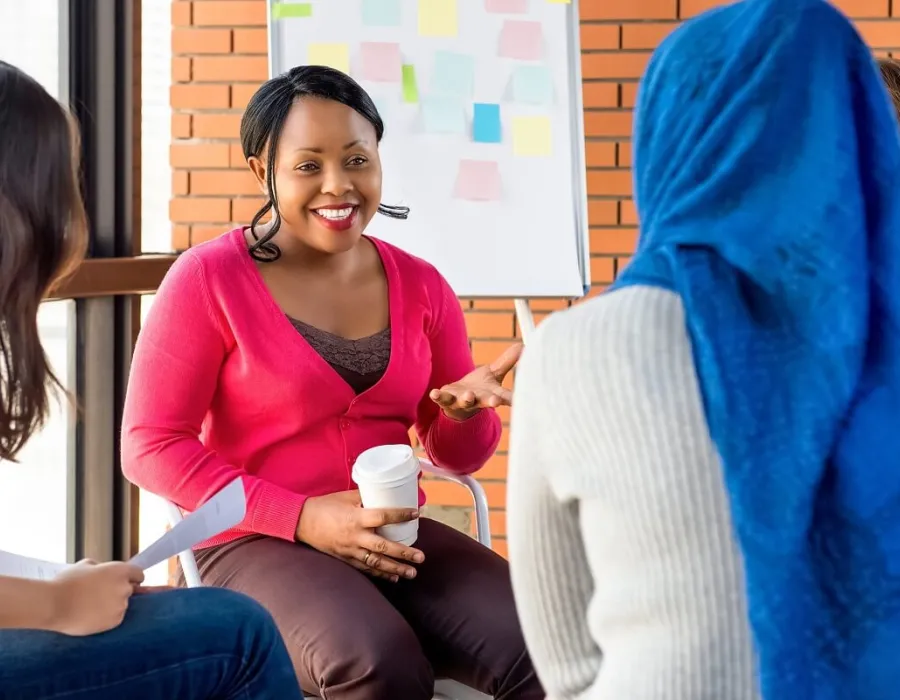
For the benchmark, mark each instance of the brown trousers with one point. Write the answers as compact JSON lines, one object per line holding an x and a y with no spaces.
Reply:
{"x":352,"y":637}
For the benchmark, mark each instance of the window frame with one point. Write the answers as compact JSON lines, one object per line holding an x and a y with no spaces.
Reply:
{"x":100,"y":71}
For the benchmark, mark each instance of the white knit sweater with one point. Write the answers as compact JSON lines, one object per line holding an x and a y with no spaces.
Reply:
{"x":627,"y":576}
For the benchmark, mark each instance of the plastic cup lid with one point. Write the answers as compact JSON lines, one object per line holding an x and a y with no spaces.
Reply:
{"x":385,"y":463}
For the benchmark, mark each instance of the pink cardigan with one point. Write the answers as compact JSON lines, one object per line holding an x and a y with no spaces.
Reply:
{"x":222,"y":385}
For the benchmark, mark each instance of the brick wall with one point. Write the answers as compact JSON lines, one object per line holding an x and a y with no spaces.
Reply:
{"x":219,"y":58}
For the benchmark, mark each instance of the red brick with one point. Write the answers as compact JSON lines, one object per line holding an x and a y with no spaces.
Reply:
{"x":603,"y":212}
{"x":880,"y":35}
{"x":230,"y":13}
{"x":629,"y":94}
{"x":255,"y":41}
{"x":179,"y":183}
{"x":236,"y":156}
{"x":223,"y":183}
{"x":181,"y":237}
{"x":445,"y":493}
{"x":198,"y":155}
{"x":181,"y":126}
{"x":599,"y":36}
{"x":194,"y":96}
{"x":628,"y":213}
{"x":496,"y":465}
{"x":613,"y":241}
{"x":202,"y":234}
{"x":614,"y":64}
{"x":489,"y":324}
{"x":217,"y":126}
{"x":623,"y":157}
{"x":241,"y":94}
{"x":243,"y":209}
{"x":645,"y":35}
{"x":224,"y":69}
{"x":864,"y":8}
{"x":602,"y":270}
{"x":628,"y":9}
{"x":607,"y":124}
{"x":181,"y":13}
{"x":690,"y":8}
{"x":600,"y":154}
{"x":181,"y":69}
{"x":189,"y":210}
{"x":498,"y":523}
{"x":193,"y":41}
{"x":600,"y":94}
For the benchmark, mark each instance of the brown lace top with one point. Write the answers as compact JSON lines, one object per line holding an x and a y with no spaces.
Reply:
{"x":361,"y":363}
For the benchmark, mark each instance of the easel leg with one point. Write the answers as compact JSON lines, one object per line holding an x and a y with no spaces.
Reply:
{"x":525,"y":318}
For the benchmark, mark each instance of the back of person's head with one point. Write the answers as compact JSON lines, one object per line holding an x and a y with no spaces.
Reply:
{"x":42,"y":236}
{"x":719,"y":154}
{"x":890,"y":73}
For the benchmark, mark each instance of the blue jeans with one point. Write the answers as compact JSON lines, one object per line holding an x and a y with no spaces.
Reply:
{"x":197,"y":644}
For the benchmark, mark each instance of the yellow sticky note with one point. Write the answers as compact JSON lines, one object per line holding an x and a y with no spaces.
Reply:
{"x":560,"y":2}
{"x":438,"y":18}
{"x":532,"y":136}
{"x":335,"y":56}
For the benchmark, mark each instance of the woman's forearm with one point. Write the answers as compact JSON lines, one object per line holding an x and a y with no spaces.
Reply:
{"x":26,"y":604}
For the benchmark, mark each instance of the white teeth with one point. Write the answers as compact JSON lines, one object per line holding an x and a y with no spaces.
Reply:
{"x":334,"y":214}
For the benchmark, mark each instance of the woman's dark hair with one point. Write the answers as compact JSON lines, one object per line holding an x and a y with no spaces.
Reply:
{"x":263,"y":122}
{"x":42,"y":238}
{"x":890,"y":73}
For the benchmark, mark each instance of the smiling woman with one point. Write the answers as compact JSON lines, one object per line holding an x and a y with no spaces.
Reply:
{"x":278,"y":131}
{"x":308,"y":343}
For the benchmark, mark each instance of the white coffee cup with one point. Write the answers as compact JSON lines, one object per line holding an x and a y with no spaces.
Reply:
{"x":388,"y":477}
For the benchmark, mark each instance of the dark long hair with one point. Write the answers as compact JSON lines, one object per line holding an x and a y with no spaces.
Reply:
{"x":42,"y":238}
{"x":263,"y":122}
{"x":890,"y":74}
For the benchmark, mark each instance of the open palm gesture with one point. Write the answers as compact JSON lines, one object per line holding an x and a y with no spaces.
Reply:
{"x":480,"y":388}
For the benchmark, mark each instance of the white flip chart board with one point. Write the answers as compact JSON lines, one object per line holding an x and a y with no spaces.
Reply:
{"x":484,"y":135}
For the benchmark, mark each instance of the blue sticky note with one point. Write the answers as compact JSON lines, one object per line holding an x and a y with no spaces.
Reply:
{"x":486,"y":124}
{"x":532,"y":85}
{"x":443,"y":114}
{"x":453,"y":74}
{"x":381,"y":13}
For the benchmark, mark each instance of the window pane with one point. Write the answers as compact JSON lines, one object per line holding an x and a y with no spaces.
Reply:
{"x":33,"y":493}
{"x":29,"y":39}
{"x":153,"y":517}
{"x":156,"y":128}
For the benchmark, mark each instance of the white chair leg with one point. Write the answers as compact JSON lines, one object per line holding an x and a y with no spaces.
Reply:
{"x":187,"y":559}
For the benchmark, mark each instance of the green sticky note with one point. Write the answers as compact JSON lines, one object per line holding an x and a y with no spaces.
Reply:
{"x":438,"y":18}
{"x":332,"y":55}
{"x":284,"y":10}
{"x":410,"y":89}
{"x":532,"y":136}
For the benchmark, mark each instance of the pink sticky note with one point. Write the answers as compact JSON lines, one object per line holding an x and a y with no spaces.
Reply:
{"x":509,"y":7}
{"x":380,"y":61}
{"x":478,"y":181}
{"x":522,"y":40}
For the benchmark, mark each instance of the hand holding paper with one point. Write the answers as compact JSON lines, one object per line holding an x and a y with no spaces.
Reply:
{"x":221,"y":512}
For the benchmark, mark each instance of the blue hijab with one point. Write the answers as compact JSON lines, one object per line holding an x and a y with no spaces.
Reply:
{"x":767,"y":179}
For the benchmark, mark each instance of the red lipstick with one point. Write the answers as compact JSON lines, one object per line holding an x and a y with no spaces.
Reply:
{"x":337,"y":217}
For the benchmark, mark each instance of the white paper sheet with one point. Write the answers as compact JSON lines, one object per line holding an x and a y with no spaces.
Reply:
{"x":224,"y":510}
{"x":26,"y":567}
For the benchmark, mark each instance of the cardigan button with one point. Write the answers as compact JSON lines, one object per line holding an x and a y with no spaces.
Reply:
{"x":345,"y":424}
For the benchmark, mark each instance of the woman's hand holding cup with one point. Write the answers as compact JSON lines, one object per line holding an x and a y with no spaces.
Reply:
{"x":338,"y":525}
